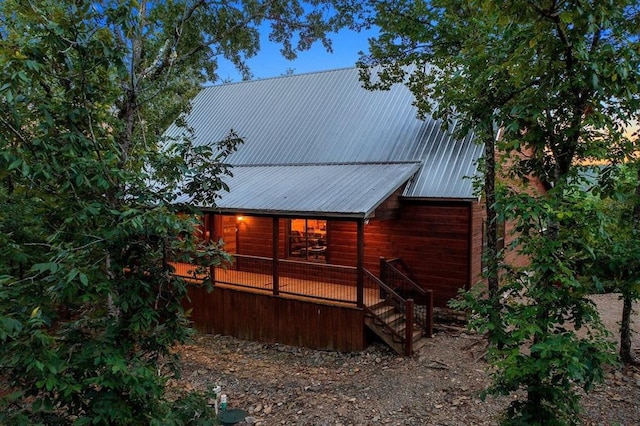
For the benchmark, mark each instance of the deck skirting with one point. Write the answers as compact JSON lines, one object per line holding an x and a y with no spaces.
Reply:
{"x":263,"y":317}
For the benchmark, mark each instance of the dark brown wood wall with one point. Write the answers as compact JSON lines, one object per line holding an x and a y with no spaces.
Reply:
{"x":255,"y":236}
{"x":341,"y":240}
{"x":267,"y":318}
{"x":433,"y":241}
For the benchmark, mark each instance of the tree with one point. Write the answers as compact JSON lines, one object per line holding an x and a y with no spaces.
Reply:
{"x":617,"y":254}
{"x":560,"y":78}
{"x":89,"y":309}
{"x":438,"y":55}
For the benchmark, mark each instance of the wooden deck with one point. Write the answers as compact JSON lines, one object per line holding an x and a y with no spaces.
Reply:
{"x":290,"y":287}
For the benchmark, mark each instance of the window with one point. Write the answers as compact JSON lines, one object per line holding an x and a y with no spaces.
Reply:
{"x":307,"y":239}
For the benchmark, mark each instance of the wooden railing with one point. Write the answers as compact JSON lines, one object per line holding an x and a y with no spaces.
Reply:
{"x":402,"y":307}
{"x":403,"y":285}
{"x":307,"y":279}
{"x":321,"y":281}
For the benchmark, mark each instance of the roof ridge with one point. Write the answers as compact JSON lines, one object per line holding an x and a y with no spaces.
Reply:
{"x":276,"y":77}
{"x":344,"y":163}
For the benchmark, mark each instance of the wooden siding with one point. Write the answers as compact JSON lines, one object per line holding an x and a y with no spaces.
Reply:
{"x":266,"y":318}
{"x":255,"y":236}
{"x":341,"y":241}
{"x":432,"y":239}
{"x":436,"y":240}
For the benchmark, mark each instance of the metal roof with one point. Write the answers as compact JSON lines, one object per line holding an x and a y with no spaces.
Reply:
{"x":340,"y":190}
{"x":328,"y":118}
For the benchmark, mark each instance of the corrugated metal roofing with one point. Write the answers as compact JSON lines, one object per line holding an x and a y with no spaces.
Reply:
{"x":328,"y":118}
{"x":352,"y":190}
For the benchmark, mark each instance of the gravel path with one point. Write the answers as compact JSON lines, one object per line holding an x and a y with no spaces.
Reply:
{"x":441,"y":385}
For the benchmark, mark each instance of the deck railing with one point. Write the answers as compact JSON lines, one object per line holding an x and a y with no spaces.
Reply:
{"x":403,"y":285}
{"x":305,"y":279}
{"x":321,"y":281}
{"x":189,"y":272}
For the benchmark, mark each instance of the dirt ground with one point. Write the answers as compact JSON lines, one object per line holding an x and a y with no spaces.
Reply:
{"x":441,"y":385}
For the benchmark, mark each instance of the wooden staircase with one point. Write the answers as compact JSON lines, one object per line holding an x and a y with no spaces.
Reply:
{"x":398,"y":321}
{"x":390,"y":325}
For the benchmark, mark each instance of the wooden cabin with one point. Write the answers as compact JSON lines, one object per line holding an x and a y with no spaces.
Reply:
{"x":347,"y":216}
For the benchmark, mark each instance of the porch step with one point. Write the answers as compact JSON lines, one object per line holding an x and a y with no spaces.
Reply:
{"x":390,"y":325}
{"x":389,"y":338}
{"x":381,"y":308}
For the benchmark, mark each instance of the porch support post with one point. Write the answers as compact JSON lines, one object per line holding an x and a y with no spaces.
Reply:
{"x":276,"y":244}
{"x":360,"y":264}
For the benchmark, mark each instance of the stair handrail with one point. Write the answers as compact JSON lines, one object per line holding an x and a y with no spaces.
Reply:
{"x":387,"y":267}
{"x":404,"y":306}
{"x":396,"y":300}
{"x":402,"y":275}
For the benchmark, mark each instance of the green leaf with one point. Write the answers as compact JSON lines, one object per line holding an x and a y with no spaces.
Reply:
{"x":566,"y":17}
{"x":84,"y":279}
{"x":15,"y":164}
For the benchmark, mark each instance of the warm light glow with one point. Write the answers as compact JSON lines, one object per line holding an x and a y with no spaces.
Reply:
{"x":239,"y":218}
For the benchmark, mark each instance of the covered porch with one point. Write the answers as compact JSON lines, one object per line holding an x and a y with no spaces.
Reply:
{"x":299,"y":273}
{"x":305,"y":308}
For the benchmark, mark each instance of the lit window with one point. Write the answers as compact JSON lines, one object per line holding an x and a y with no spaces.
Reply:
{"x":307,"y":239}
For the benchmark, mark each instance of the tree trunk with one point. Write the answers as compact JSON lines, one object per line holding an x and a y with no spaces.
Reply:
{"x":491,"y":255}
{"x":626,"y":352}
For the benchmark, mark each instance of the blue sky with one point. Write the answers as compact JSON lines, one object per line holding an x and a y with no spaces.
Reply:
{"x":270,"y":63}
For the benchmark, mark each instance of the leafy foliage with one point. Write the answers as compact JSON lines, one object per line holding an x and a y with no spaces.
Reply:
{"x":89,"y":308}
{"x":561,"y":80}
{"x":617,"y":252}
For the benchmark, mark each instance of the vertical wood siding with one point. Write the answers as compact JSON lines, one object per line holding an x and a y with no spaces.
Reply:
{"x":269,"y":319}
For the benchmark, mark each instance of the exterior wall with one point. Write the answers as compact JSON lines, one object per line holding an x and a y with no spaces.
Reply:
{"x":255,"y":236}
{"x":341,"y":243}
{"x":532,"y":185}
{"x":511,"y":256}
{"x":268,"y":319}
{"x":433,"y":241}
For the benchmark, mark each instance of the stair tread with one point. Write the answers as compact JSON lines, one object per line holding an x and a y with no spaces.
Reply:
{"x":393,"y":317}
{"x":390,"y":325}
{"x":382,"y":309}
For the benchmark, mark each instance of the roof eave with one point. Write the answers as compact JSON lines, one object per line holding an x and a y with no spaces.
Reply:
{"x":287,"y":213}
